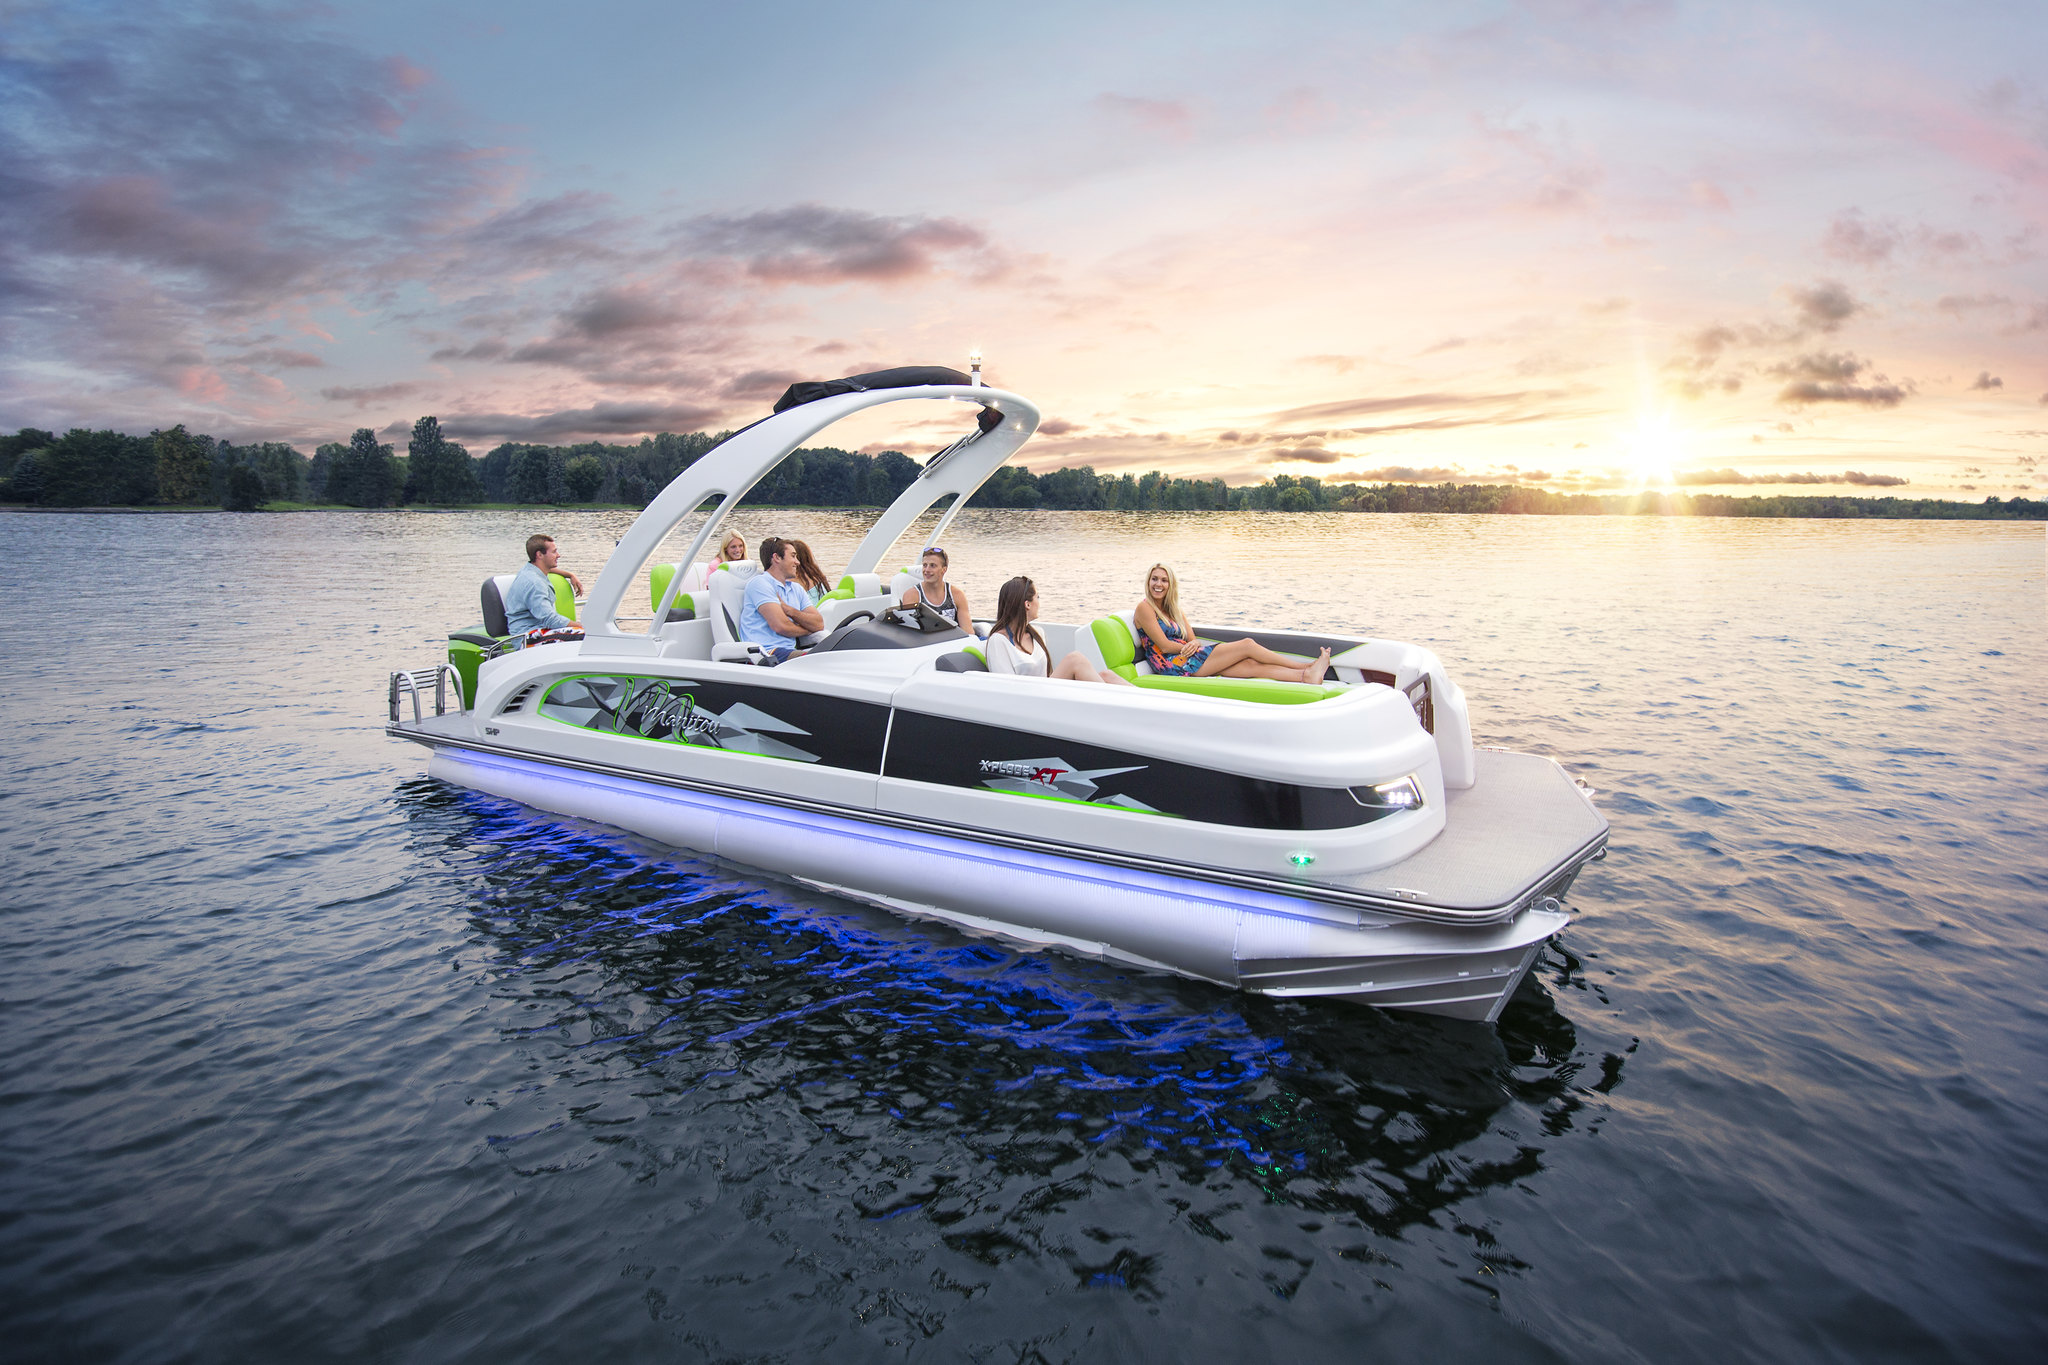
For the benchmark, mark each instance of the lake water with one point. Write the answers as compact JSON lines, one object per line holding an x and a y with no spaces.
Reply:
{"x":309,"y":1057}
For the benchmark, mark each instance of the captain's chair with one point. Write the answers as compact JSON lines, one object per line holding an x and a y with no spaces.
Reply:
{"x":728,"y":591}
{"x":493,"y":594}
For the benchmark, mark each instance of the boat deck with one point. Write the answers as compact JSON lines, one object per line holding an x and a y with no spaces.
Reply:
{"x":1507,"y":834}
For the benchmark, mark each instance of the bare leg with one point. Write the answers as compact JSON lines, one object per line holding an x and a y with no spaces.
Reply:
{"x":1245,"y":668}
{"x":1076,"y":668}
{"x":1230,"y":652}
{"x":1250,"y":659}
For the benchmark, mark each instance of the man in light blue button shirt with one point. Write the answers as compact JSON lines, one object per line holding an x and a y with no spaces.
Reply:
{"x":530,"y":602}
{"x":776,"y":612}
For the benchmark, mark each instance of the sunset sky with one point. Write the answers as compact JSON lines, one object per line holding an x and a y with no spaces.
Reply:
{"x":1580,"y":244}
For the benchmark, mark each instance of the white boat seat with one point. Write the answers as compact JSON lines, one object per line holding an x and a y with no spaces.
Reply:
{"x":856,"y":593}
{"x":728,"y":594}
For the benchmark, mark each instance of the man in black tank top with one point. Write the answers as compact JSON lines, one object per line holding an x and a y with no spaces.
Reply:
{"x":935,"y":592}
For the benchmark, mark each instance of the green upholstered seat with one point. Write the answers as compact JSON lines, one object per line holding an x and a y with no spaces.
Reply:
{"x":1120,"y":651}
{"x":657,"y":584}
{"x":1270,"y":690}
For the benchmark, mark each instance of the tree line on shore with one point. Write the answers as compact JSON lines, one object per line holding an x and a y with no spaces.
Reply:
{"x":176,"y":468}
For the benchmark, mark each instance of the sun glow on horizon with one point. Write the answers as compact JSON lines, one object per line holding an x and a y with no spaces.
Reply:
{"x":1655,"y":449}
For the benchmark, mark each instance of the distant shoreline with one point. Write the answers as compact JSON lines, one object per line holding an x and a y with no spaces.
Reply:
{"x":1806,"y":509}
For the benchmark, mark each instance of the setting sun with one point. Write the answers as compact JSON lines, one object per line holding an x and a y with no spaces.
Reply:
{"x":1654,"y":449}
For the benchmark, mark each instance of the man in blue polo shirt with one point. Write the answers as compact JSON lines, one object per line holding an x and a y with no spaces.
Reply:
{"x":776,"y":612}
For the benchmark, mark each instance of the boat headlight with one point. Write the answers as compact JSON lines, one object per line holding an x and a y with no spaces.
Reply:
{"x":1303,"y":859}
{"x":1388,"y":797}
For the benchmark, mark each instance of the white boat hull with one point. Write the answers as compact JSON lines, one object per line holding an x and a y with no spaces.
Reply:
{"x":1233,"y":936}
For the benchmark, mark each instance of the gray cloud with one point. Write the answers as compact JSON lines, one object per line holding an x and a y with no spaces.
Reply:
{"x":1854,"y":238}
{"x":1058,"y":426}
{"x":1707,"y":478}
{"x":1823,"y":367}
{"x":1401,"y":473}
{"x":1359,"y":407}
{"x":761,"y":383}
{"x":601,"y":419}
{"x":1870,"y":396}
{"x":1865,"y":241}
{"x":811,"y":243}
{"x":1304,"y":455}
{"x":372,"y":393}
{"x":279,"y":359}
{"x":174,"y":178}
{"x":1824,"y":307}
{"x":1831,"y":377}
{"x":1987,"y":380}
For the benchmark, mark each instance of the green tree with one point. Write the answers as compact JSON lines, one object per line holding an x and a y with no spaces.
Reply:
{"x":365,"y":475}
{"x":320,"y":471}
{"x":25,"y":483}
{"x":245,"y":490}
{"x":283,"y":470}
{"x":439,"y":469}
{"x":529,"y":482}
{"x":184,"y":469}
{"x":19,"y":444}
{"x":584,"y":475}
{"x":101,"y":469}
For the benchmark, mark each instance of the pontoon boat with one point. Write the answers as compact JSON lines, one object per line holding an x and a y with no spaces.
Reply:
{"x":1340,"y":839}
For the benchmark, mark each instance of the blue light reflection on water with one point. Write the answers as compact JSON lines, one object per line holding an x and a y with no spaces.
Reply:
{"x":881,"y":1021}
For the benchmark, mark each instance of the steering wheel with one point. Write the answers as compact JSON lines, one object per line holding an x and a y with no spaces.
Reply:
{"x":843,"y":626}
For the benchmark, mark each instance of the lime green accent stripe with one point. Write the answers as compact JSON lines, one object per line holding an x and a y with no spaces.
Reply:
{"x":1270,"y":690}
{"x":1093,"y":805}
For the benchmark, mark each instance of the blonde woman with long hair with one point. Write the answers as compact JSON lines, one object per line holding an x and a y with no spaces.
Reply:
{"x":697,"y":577}
{"x":1170,"y":646}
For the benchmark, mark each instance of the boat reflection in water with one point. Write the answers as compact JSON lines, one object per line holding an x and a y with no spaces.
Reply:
{"x":848,"y":1055}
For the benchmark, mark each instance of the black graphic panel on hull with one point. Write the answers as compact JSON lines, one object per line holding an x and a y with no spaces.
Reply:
{"x":957,"y":753}
{"x":773,"y":723}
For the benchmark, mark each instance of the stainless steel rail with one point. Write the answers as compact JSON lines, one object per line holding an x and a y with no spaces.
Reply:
{"x":444,"y":679}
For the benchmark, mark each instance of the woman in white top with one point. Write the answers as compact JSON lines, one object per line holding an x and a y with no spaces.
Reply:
{"x":1015,"y":646}
{"x":697,"y":577}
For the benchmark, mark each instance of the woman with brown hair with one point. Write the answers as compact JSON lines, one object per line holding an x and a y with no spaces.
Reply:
{"x":1168,"y":642}
{"x":1015,"y":646}
{"x":808,"y":574}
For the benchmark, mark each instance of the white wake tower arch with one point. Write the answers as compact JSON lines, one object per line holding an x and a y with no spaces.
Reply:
{"x":730,"y":470}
